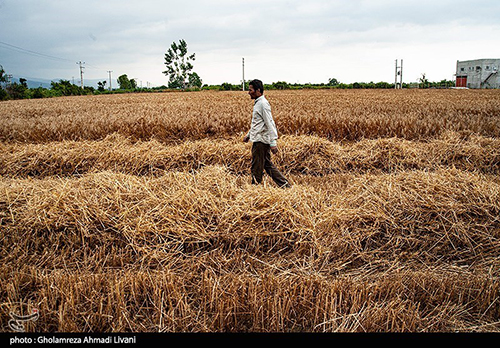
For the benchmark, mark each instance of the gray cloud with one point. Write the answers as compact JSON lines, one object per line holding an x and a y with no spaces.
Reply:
{"x":289,"y":40}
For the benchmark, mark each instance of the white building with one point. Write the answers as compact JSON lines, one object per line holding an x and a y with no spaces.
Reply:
{"x":479,"y":73}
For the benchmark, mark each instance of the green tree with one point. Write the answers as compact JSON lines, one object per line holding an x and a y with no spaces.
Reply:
{"x":195,"y":80}
{"x":280,"y":85}
{"x":38,"y":92}
{"x":3,"y":94}
{"x":226,"y":86}
{"x":178,"y":64}
{"x":17,"y":91}
{"x":101,"y":85}
{"x":333,"y":82}
{"x":424,"y":82}
{"x":382,"y":84}
{"x":124,"y":82}
{"x":3,"y":76}
{"x":64,"y":87}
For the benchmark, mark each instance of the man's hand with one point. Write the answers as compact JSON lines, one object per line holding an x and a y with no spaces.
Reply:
{"x":274,"y":149}
{"x":246,"y":139}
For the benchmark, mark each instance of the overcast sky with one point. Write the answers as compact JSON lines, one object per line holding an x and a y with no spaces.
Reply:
{"x":281,"y":40}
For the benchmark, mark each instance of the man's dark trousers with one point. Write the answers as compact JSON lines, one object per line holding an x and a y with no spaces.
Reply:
{"x":261,"y":160}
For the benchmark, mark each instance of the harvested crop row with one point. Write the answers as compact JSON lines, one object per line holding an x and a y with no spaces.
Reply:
{"x":262,"y":300}
{"x":117,"y":220}
{"x":332,"y":114}
{"x":299,"y":154}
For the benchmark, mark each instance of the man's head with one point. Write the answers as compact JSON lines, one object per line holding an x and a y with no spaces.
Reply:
{"x":255,"y":89}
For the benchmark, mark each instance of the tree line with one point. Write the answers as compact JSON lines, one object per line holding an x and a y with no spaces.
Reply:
{"x":66,"y":88}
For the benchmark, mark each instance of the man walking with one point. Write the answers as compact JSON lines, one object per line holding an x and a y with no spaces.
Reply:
{"x":263,"y":135}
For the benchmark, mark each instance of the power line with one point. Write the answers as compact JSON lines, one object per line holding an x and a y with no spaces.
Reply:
{"x":94,"y":67}
{"x":42,"y":55}
{"x":30,"y":52}
{"x":38,"y":54}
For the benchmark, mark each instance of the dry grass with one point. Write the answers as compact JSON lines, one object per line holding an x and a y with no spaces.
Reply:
{"x":310,"y":155}
{"x":139,"y":233}
{"x":175,"y":117}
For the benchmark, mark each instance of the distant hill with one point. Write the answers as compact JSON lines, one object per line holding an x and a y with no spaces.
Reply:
{"x":34,"y":82}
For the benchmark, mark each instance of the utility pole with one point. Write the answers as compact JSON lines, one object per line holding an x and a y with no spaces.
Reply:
{"x":81,"y":71}
{"x":401,"y":75}
{"x":396,"y":76}
{"x":109,"y":73}
{"x":243,"y":66}
{"x":399,"y":72}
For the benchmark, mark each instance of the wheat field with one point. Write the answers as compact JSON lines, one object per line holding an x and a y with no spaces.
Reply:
{"x":135,"y":213}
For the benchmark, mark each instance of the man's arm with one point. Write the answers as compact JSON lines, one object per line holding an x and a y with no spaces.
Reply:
{"x":271,"y":128}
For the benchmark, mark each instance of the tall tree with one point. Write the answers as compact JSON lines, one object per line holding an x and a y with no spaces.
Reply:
{"x":178,"y":64}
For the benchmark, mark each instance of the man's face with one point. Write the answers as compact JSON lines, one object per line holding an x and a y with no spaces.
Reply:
{"x":254,"y":94}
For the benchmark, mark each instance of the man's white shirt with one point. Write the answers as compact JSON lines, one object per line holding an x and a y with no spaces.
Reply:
{"x":263,"y":128}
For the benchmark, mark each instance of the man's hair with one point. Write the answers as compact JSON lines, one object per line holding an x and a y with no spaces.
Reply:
{"x":257,"y":84}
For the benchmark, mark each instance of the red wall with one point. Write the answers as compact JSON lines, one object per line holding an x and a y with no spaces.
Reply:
{"x":461,"y":81}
